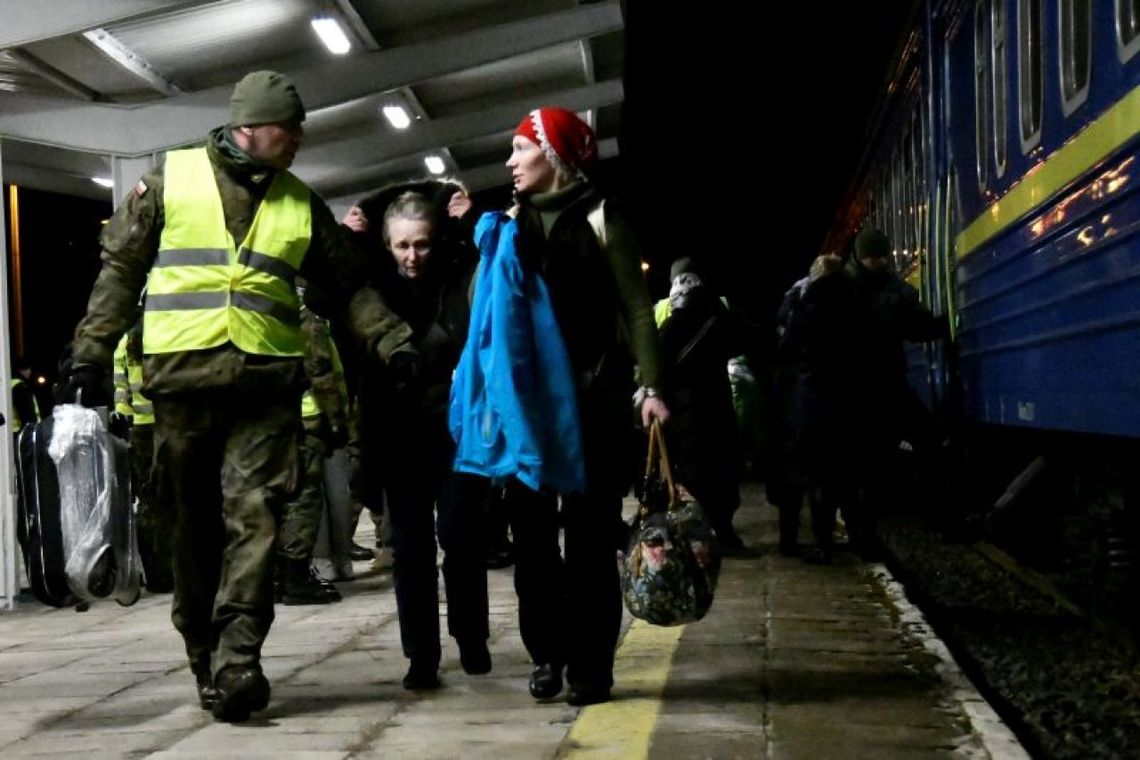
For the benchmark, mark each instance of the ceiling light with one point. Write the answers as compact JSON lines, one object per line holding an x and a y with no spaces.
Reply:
{"x":103,"y":181}
{"x":434,"y":164}
{"x":331,"y":34}
{"x":397,"y":117}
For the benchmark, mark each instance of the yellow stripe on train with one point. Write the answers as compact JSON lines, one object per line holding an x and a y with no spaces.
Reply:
{"x":1099,"y":139}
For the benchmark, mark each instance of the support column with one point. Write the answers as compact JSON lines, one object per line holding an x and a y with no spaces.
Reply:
{"x":9,"y":549}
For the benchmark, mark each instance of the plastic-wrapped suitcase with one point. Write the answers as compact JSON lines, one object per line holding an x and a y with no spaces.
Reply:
{"x":38,"y":521}
{"x":98,"y":524}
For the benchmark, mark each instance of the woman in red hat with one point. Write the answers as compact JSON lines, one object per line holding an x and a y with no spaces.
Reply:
{"x":570,"y":608}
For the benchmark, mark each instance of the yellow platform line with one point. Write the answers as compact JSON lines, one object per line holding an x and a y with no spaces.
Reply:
{"x":622,"y":727}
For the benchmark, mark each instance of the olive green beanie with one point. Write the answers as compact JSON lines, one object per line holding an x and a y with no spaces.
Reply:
{"x":265,"y":97}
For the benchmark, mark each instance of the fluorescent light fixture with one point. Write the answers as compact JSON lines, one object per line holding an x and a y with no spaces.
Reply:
{"x":397,"y":117}
{"x":103,"y":181}
{"x":331,"y":34}
{"x":434,"y":164}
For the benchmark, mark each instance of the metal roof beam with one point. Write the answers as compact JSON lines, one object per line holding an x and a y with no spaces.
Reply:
{"x":135,"y":130}
{"x":112,"y":47}
{"x":28,"y":21}
{"x":53,"y":75}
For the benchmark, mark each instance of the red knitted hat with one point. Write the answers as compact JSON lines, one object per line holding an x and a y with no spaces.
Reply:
{"x":567,"y":142}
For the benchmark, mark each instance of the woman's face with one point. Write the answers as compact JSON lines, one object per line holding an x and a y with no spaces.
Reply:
{"x":530,"y":170}
{"x":410,"y":240}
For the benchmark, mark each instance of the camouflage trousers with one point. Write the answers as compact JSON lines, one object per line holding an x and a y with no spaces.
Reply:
{"x":155,"y":517}
{"x":228,"y":464}
{"x":301,"y":518}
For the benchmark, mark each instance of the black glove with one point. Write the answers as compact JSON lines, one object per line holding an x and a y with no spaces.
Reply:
{"x":404,"y":368}
{"x":119,"y":424}
{"x":86,"y":384}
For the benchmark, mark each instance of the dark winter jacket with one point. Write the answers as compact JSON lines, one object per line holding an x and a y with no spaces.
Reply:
{"x":890,"y":313}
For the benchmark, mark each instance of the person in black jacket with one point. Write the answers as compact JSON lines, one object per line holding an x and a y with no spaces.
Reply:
{"x":887,"y":411}
{"x":698,"y":338}
{"x":425,"y":276}
{"x":821,"y":340}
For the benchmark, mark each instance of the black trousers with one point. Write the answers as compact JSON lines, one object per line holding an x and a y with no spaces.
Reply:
{"x":569,"y":607}
{"x":419,"y":479}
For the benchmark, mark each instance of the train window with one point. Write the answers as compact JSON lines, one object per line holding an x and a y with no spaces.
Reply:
{"x":1029,"y":71}
{"x":1000,"y":82}
{"x":981,"y":94}
{"x":1127,"y":28}
{"x":1076,"y":50}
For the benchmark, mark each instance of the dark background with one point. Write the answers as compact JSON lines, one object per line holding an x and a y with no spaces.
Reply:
{"x":742,"y":128}
{"x":743,"y":165}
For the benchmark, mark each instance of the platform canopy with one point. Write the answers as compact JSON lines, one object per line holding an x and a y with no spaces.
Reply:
{"x":85,"y":82}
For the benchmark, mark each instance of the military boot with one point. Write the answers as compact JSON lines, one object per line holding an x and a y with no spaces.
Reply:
{"x":241,"y":689}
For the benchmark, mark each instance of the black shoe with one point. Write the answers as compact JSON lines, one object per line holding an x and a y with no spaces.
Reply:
{"x":242,"y":689}
{"x":475,"y":658}
{"x":545,"y":681}
{"x":358,"y":553}
{"x":422,"y":676}
{"x":207,"y":693}
{"x":587,"y":695}
{"x":309,"y":591}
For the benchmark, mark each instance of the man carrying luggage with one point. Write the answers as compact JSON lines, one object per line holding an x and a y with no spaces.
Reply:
{"x":218,"y":234}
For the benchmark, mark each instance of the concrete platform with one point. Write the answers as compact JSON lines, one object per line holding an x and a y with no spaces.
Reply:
{"x":794,"y":661}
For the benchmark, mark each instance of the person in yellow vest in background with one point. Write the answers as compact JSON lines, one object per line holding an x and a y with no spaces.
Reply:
{"x":324,"y":414}
{"x":218,"y":235}
{"x":155,"y":518}
{"x":25,"y":408}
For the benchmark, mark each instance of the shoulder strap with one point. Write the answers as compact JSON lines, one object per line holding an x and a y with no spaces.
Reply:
{"x":696,"y":339}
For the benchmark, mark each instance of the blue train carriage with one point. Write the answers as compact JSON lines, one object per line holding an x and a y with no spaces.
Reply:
{"x":1003,"y":163}
{"x":1045,"y":111}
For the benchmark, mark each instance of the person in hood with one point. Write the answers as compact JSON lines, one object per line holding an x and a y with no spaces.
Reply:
{"x":699,"y":337}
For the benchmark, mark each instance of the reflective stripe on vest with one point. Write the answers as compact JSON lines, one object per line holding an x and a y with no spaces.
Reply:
{"x":141,"y":407}
{"x":129,"y":398}
{"x":204,"y":291}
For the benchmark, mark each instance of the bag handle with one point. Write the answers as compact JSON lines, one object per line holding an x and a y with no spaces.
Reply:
{"x":659,"y":455}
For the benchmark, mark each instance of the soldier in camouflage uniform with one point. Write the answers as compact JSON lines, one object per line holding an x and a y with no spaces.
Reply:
{"x":324,"y":414}
{"x":218,"y":234}
{"x":155,"y":518}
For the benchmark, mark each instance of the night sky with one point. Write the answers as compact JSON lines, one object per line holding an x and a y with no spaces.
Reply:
{"x":741,"y":167}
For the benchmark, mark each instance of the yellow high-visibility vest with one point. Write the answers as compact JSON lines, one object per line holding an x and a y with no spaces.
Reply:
{"x":129,"y":399}
{"x":309,"y":407}
{"x":203,"y":290}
